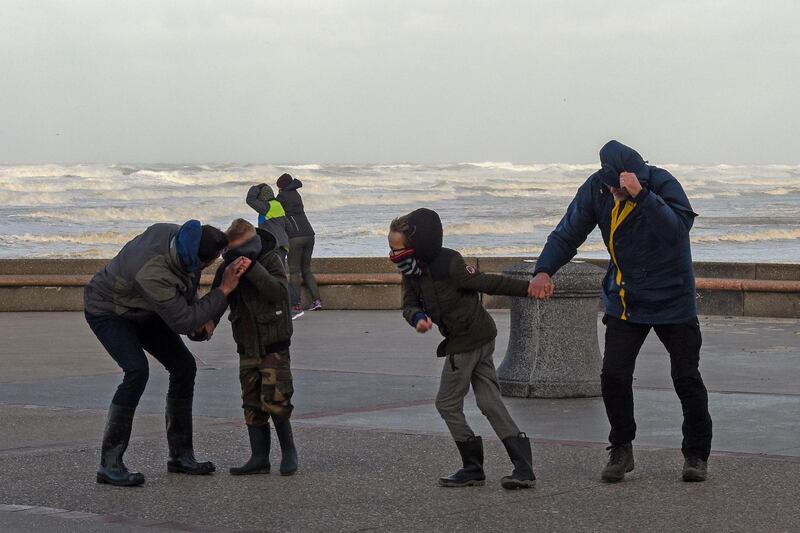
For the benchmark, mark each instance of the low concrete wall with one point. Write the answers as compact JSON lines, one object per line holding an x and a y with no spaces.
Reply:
{"x":373,"y":283}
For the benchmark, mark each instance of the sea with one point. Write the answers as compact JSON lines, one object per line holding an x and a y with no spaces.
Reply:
{"x":747,"y":212}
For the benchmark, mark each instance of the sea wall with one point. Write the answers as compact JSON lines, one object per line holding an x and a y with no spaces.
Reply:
{"x":732,"y":289}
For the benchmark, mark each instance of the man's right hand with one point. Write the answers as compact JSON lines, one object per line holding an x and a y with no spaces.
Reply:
{"x":232,"y":274}
{"x":424,"y":325}
{"x":541,"y":286}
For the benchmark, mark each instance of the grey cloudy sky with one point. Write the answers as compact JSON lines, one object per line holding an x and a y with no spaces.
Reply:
{"x":367,"y":81}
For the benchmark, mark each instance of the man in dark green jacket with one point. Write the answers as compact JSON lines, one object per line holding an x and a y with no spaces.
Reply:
{"x":262,"y":328}
{"x":143,"y":300}
{"x":440,"y":288}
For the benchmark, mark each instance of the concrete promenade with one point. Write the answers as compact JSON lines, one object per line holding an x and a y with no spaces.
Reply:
{"x":372,"y":445}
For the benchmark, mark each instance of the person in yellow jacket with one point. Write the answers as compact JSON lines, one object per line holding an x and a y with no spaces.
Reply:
{"x":271,"y":215}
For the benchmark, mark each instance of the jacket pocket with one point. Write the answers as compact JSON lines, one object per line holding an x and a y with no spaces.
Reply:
{"x":270,"y":316}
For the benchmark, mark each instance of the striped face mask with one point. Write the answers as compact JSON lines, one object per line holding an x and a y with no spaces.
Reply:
{"x":405,"y":262}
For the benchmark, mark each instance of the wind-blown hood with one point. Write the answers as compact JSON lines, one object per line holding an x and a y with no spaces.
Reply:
{"x":293,"y":185}
{"x":265,"y":192}
{"x":616,"y":158}
{"x":426,"y":234}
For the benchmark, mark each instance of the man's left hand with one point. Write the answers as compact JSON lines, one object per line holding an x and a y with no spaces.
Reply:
{"x":629,"y":182}
{"x":209,"y":329}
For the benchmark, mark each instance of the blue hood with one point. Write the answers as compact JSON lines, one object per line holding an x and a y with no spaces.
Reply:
{"x":187,"y":244}
{"x":616,"y":158}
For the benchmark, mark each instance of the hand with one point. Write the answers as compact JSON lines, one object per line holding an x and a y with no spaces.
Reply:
{"x":232,"y":273}
{"x":209,"y":329}
{"x":424,"y":325}
{"x":244,"y":263}
{"x":629,"y":182}
{"x":541,"y":286}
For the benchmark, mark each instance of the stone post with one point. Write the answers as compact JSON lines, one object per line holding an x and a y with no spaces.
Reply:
{"x":552,"y":347}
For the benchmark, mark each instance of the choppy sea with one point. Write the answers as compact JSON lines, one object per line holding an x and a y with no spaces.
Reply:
{"x":747,"y":213}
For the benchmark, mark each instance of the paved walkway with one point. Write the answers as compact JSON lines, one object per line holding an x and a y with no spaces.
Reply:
{"x":372,"y":444}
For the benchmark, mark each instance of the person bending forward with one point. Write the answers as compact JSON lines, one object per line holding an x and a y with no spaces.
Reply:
{"x":440,"y":288}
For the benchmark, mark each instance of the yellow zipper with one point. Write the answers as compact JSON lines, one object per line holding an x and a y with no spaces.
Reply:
{"x":616,"y":220}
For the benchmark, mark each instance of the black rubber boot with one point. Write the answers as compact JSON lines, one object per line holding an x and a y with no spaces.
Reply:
{"x":472,"y":473}
{"x":259,"y":452}
{"x":519,"y":450}
{"x":115,"y":441}
{"x":179,"y":438}
{"x":620,"y":462}
{"x":695,"y":469}
{"x":283,"y":428}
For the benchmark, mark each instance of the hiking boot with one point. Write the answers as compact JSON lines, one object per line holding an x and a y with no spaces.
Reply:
{"x":472,"y":473}
{"x":283,"y":428}
{"x":695,"y":469}
{"x":519,"y":450}
{"x":620,"y":462}
{"x":316,"y":305}
{"x":116,"y":436}
{"x":179,"y":439}
{"x":259,"y":452}
{"x":297,"y":311}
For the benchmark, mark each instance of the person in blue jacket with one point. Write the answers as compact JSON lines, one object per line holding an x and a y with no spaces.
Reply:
{"x":645,"y":218}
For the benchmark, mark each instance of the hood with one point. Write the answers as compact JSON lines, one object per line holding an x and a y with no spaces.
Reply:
{"x":250,"y":249}
{"x":426,"y":234}
{"x":616,"y":158}
{"x":187,"y":245}
{"x":265,"y":192}
{"x":294,"y":185}
{"x":268,"y":241}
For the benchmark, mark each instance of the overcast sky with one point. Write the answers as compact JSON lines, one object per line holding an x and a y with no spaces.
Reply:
{"x":693,"y":81}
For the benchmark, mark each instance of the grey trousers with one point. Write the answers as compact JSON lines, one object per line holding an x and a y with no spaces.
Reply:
{"x":476,"y":368}
{"x":300,"y":250}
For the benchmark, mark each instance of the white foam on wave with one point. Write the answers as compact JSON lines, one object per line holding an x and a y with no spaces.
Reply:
{"x":525,"y":249}
{"x":15,"y":172}
{"x":37,"y":199}
{"x":755,"y":236}
{"x":151,"y":214}
{"x":518,"y":226}
{"x":92,"y":238}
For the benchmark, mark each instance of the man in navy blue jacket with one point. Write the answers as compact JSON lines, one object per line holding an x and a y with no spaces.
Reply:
{"x":645,"y":218}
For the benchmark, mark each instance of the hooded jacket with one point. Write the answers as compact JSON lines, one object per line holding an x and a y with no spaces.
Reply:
{"x":260,"y":316}
{"x":650,"y":278}
{"x":299,"y":226}
{"x":271,"y":214}
{"x":448,"y":289}
{"x":148,"y":276}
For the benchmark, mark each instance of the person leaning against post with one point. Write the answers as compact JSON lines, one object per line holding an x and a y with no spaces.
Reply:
{"x":440,"y":288}
{"x":645,"y":218}
{"x":262,"y":329}
{"x":301,"y":243}
{"x":144,"y":299}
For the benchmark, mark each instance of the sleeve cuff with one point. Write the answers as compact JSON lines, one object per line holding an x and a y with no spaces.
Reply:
{"x":642,"y":196}
{"x":418,"y":317}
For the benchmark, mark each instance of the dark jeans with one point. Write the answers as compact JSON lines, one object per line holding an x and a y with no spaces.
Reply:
{"x":300,"y":251}
{"x":126,"y":341}
{"x":682,"y":341}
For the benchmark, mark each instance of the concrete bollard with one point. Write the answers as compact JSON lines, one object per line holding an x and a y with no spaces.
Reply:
{"x":552,"y":348}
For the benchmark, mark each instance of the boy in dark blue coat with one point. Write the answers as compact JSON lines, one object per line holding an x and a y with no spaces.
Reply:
{"x":645,"y":218}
